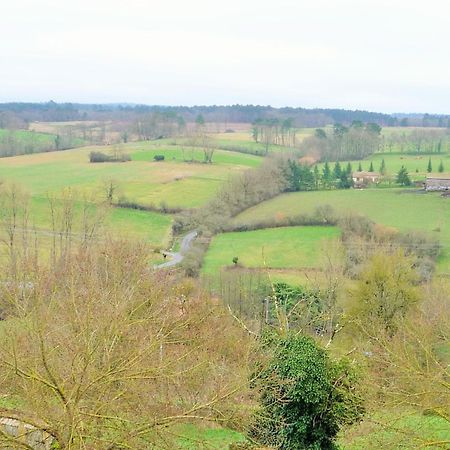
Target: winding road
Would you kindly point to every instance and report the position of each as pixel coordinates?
(177, 257)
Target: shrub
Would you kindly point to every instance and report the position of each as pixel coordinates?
(99, 157)
(159, 158)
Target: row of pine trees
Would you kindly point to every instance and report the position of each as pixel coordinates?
(301, 177)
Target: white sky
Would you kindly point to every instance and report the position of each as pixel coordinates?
(379, 55)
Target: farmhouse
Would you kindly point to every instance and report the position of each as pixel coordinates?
(438, 183)
(361, 179)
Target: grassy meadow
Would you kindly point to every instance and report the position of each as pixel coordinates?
(405, 210)
(273, 248)
(174, 182)
(28, 137)
(416, 165)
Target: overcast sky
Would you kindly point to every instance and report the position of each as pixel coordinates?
(380, 55)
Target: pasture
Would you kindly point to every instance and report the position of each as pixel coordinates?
(173, 182)
(273, 248)
(416, 164)
(405, 210)
(28, 137)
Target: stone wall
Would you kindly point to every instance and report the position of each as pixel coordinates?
(35, 438)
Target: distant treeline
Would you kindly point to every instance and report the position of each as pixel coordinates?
(18, 115)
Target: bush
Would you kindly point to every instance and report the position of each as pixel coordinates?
(159, 158)
(305, 397)
(99, 157)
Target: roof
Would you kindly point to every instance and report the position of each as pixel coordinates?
(443, 177)
(365, 174)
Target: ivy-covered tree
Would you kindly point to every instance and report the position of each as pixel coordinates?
(403, 177)
(305, 396)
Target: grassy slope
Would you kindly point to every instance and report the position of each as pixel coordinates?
(394, 161)
(392, 207)
(396, 430)
(290, 247)
(25, 136)
(173, 181)
(193, 437)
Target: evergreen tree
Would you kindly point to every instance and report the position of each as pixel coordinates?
(337, 171)
(383, 167)
(403, 177)
(293, 176)
(316, 177)
(360, 167)
(299, 177)
(327, 176)
(306, 180)
(371, 169)
(430, 167)
(441, 167)
(349, 169)
(345, 180)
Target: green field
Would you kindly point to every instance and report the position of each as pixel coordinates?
(173, 181)
(193, 437)
(180, 154)
(402, 209)
(25, 136)
(416, 165)
(142, 180)
(277, 248)
(396, 430)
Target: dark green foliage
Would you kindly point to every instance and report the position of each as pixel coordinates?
(337, 171)
(316, 177)
(345, 180)
(403, 177)
(299, 177)
(383, 167)
(360, 167)
(371, 169)
(429, 167)
(305, 397)
(159, 157)
(320, 133)
(327, 176)
(99, 157)
(349, 169)
(235, 260)
(441, 167)
(373, 128)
